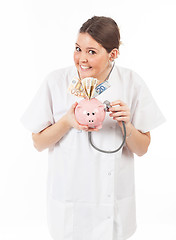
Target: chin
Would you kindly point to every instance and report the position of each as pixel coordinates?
(85, 76)
(85, 73)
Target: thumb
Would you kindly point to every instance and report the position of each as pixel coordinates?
(74, 105)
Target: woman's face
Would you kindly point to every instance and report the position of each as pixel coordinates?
(91, 59)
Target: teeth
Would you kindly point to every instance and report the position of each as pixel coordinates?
(84, 67)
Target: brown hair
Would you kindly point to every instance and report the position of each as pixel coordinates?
(104, 30)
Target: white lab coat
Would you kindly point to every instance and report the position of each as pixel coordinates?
(91, 195)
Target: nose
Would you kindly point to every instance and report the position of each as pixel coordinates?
(83, 58)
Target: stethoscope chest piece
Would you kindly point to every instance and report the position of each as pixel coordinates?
(91, 112)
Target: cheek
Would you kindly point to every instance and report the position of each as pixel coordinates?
(104, 61)
(76, 58)
(98, 65)
(100, 61)
(94, 62)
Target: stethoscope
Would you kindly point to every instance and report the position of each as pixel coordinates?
(107, 103)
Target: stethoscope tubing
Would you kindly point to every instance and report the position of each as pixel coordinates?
(104, 151)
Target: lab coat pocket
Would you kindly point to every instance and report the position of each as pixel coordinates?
(60, 219)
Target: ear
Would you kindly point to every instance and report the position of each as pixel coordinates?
(101, 107)
(113, 54)
(78, 108)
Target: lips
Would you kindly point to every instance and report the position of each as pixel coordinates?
(85, 67)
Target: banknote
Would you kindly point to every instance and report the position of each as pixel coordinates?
(76, 88)
(101, 88)
(89, 85)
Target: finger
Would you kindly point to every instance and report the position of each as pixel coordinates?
(82, 127)
(115, 109)
(74, 105)
(120, 119)
(117, 102)
(118, 114)
(92, 129)
(79, 126)
(119, 108)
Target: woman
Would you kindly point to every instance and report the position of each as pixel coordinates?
(91, 194)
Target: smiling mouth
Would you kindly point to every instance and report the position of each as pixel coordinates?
(84, 68)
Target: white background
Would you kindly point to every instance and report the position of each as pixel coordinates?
(38, 36)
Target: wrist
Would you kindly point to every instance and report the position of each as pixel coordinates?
(129, 133)
(66, 122)
(129, 128)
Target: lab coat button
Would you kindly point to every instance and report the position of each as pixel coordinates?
(79, 131)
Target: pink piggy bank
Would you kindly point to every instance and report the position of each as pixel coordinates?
(90, 112)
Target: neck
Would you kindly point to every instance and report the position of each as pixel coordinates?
(107, 74)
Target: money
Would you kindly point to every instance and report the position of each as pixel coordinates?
(76, 88)
(87, 88)
(89, 85)
(101, 88)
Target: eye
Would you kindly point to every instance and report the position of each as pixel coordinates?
(92, 52)
(78, 49)
(93, 113)
(88, 114)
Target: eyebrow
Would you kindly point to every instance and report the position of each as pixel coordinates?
(88, 47)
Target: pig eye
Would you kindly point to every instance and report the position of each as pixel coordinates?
(88, 114)
(93, 113)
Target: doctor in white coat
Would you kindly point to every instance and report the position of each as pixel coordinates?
(91, 195)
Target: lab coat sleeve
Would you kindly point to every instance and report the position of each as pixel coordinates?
(39, 114)
(147, 114)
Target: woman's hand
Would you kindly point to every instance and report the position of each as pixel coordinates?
(120, 112)
(136, 141)
(53, 134)
(71, 120)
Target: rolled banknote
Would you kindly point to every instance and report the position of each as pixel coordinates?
(89, 85)
(76, 88)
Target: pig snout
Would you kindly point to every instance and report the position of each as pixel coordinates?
(91, 117)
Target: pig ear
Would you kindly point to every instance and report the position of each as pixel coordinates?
(101, 107)
(78, 108)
